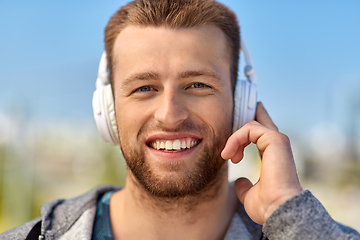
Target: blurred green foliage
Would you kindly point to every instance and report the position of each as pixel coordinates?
(51, 167)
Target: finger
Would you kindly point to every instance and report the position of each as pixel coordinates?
(263, 117)
(234, 147)
(242, 138)
(242, 186)
(238, 155)
(250, 132)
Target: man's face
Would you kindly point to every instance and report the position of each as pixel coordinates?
(173, 104)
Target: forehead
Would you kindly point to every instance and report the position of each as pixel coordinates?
(136, 40)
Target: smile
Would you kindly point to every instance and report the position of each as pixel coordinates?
(176, 145)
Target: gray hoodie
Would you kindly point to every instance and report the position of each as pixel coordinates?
(301, 217)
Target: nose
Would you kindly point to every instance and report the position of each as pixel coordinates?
(171, 109)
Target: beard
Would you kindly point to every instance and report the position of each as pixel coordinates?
(180, 180)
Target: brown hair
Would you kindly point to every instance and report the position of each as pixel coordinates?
(175, 14)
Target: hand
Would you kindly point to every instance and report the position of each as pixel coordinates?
(278, 180)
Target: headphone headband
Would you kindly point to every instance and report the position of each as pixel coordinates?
(103, 76)
(249, 70)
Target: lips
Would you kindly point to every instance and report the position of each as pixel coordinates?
(175, 145)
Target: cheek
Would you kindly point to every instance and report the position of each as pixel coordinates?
(217, 114)
(224, 118)
(129, 120)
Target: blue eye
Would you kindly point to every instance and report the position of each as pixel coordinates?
(198, 85)
(145, 89)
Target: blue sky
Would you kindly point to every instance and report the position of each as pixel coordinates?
(306, 55)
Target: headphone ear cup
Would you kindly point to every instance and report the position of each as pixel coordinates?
(104, 114)
(242, 112)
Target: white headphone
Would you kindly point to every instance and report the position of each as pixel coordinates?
(245, 96)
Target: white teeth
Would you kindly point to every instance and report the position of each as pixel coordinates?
(157, 144)
(174, 145)
(183, 144)
(188, 142)
(168, 145)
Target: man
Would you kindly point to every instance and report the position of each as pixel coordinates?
(173, 69)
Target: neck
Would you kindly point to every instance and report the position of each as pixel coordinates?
(205, 215)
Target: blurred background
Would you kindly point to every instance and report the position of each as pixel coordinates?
(306, 55)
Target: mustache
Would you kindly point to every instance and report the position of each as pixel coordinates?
(185, 126)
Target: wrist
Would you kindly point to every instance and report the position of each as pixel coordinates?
(281, 200)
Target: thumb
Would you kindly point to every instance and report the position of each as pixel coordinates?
(242, 186)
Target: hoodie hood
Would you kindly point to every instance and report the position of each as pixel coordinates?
(71, 217)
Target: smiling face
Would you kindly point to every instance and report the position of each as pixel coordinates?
(173, 104)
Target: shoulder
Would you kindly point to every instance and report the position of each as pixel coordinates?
(59, 215)
(20, 232)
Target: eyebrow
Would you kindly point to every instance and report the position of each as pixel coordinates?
(141, 76)
(198, 73)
